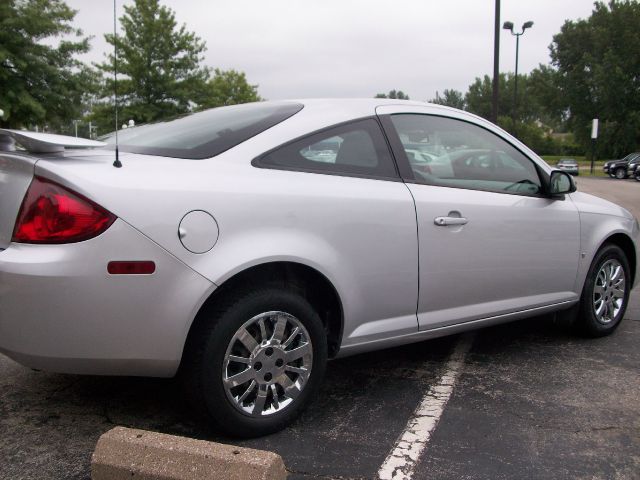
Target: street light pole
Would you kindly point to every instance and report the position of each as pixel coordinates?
(509, 26)
(515, 88)
(496, 65)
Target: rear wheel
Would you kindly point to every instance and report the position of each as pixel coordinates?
(637, 174)
(254, 364)
(620, 173)
(605, 293)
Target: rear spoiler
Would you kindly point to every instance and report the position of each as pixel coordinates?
(37, 142)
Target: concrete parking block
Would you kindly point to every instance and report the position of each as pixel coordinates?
(125, 453)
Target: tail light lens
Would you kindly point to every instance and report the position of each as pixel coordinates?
(51, 213)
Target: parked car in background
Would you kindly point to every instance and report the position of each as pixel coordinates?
(568, 165)
(242, 247)
(618, 168)
(633, 169)
(428, 163)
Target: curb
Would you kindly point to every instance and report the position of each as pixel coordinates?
(126, 453)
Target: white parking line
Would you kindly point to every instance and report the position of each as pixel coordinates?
(403, 458)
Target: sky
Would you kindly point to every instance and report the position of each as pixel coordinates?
(354, 48)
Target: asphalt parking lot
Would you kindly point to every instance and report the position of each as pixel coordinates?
(530, 401)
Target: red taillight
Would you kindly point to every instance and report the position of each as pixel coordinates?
(51, 213)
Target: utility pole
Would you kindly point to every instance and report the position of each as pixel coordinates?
(496, 65)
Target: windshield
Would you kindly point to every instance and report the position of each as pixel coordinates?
(204, 134)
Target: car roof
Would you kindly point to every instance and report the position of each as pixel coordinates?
(358, 107)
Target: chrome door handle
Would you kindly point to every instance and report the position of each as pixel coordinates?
(444, 221)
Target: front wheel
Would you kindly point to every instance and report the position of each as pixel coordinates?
(620, 173)
(253, 364)
(605, 293)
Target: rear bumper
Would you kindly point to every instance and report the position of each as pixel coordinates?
(61, 310)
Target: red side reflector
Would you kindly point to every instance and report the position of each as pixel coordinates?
(131, 268)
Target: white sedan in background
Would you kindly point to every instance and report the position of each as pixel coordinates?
(241, 247)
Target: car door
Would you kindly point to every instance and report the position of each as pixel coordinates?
(490, 241)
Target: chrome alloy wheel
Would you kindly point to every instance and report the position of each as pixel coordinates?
(267, 363)
(608, 292)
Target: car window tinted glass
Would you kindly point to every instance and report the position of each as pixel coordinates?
(452, 153)
(204, 134)
(355, 149)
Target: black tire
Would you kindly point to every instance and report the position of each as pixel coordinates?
(203, 367)
(620, 173)
(587, 321)
(637, 175)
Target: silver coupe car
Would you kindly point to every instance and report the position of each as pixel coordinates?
(242, 247)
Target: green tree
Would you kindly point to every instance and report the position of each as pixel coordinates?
(159, 66)
(450, 98)
(538, 99)
(228, 87)
(530, 107)
(40, 84)
(537, 114)
(480, 94)
(598, 75)
(397, 94)
(543, 92)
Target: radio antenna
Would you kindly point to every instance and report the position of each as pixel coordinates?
(116, 162)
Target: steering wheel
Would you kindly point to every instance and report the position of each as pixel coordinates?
(517, 184)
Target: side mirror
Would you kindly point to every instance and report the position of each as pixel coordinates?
(561, 183)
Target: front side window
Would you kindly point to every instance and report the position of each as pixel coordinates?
(453, 153)
(354, 149)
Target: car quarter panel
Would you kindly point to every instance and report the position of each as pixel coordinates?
(359, 233)
(62, 311)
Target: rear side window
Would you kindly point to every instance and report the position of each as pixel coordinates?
(204, 134)
(354, 149)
